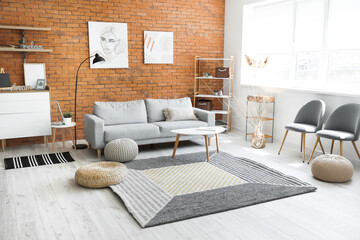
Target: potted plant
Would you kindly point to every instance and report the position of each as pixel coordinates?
(67, 118)
(21, 42)
(216, 93)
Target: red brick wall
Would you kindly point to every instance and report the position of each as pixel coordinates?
(198, 28)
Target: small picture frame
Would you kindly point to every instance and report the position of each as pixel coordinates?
(40, 84)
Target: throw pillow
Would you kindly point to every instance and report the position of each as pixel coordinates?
(179, 114)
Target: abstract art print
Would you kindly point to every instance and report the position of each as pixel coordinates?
(110, 41)
(158, 47)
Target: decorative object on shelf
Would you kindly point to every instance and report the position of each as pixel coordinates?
(97, 60)
(110, 41)
(257, 64)
(31, 46)
(205, 84)
(207, 74)
(204, 104)
(21, 43)
(4, 79)
(33, 72)
(19, 88)
(158, 47)
(257, 117)
(222, 72)
(40, 84)
(67, 118)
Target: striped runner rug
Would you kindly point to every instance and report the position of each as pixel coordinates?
(37, 160)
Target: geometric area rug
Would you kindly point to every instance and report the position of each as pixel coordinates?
(163, 190)
(37, 160)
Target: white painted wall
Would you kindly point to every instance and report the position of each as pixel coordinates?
(288, 102)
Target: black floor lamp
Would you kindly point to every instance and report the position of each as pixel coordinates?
(97, 59)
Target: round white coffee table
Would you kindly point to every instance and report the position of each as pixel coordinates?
(62, 127)
(203, 131)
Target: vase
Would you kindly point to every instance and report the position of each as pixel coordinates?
(258, 140)
(67, 121)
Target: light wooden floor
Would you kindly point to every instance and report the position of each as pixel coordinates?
(45, 203)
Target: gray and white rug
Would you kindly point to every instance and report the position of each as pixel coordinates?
(163, 190)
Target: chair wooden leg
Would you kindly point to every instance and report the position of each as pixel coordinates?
(303, 145)
(341, 148)
(99, 153)
(283, 141)
(322, 148)
(209, 141)
(356, 150)
(312, 153)
(332, 146)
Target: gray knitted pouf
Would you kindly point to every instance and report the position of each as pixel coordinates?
(121, 150)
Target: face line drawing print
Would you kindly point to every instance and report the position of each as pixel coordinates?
(109, 40)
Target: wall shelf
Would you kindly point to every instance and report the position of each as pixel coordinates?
(10, 49)
(23, 50)
(24, 28)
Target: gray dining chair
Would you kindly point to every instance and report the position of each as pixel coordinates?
(309, 119)
(343, 125)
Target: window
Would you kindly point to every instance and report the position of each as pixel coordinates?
(311, 44)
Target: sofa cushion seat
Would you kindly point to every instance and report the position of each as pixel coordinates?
(166, 127)
(137, 131)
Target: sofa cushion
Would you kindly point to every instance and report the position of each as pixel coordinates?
(155, 107)
(137, 131)
(166, 127)
(179, 114)
(121, 112)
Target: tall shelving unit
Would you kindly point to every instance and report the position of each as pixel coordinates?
(226, 100)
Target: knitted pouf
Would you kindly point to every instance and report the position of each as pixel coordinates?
(101, 174)
(121, 150)
(332, 168)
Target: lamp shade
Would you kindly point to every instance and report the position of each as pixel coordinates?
(98, 59)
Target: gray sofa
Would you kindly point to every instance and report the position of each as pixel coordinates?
(142, 121)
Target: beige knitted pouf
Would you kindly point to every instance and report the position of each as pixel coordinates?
(332, 168)
(121, 150)
(102, 174)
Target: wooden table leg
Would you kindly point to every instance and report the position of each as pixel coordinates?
(3, 144)
(46, 141)
(176, 145)
(53, 140)
(332, 146)
(72, 138)
(207, 147)
(217, 142)
(209, 141)
(341, 148)
(63, 136)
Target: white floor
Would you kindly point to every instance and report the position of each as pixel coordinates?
(45, 202)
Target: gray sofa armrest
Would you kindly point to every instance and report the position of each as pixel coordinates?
(94, 131)
(205, 116)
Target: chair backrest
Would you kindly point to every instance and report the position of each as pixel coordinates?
(312, 113)
(345, 118)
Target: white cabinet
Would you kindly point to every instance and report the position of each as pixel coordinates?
(24, 114)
